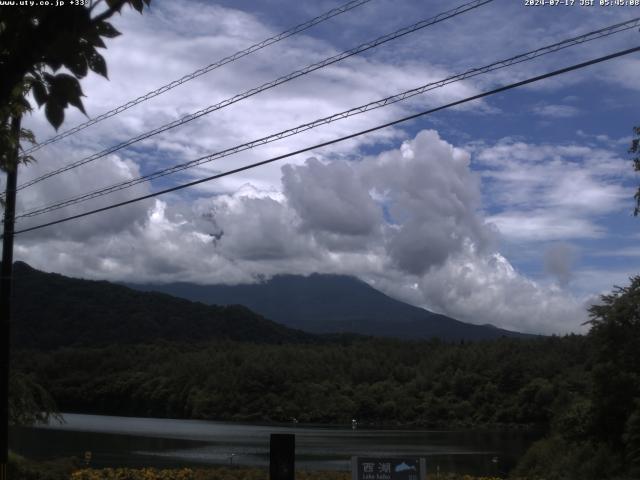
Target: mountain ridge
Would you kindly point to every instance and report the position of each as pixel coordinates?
(329, 303)
(50, 311)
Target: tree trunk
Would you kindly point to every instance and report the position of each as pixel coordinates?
(6, 275)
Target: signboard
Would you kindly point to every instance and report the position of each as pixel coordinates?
(387, 468)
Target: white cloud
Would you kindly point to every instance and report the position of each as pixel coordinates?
(330, 198)
(487, 289)
(407, 220)
(544, 225)
(551, 192)
(108, 171)
(620, 252)
(556, 111)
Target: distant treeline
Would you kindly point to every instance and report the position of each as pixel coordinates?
(428, 384)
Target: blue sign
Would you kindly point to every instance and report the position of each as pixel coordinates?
(387, 468)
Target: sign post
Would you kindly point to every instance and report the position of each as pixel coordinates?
(388, 468)
(282, 456)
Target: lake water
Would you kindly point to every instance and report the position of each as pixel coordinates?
(136, 442)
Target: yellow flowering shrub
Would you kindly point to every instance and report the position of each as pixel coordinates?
(222, 473)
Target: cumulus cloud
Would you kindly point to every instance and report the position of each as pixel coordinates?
(432, 199)
(407, 220)
(487, 289)
(331, 198)
(108, 171)
(420, 222)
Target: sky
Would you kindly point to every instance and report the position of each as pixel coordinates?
(514, 210)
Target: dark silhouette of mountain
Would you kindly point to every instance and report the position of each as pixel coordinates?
(51, 311)
(333, 303)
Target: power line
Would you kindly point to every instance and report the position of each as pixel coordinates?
(231, 58)
(603, 32)
(286, 78)
(337, 140)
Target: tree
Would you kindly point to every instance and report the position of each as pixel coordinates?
(635, 149)
(632, 442)
(615, 332)
(35, 43)
(29, 402)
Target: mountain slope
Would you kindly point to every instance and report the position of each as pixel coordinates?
(333, 303)
(51, 310)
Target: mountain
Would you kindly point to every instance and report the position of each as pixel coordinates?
(51, 311)
(333, 303)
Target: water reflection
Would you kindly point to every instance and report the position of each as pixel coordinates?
(121, 441)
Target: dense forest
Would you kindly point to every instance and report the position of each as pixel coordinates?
(581, 392)
(432, 384)
(75, 312)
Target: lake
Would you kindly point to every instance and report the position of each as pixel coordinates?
(136, 442)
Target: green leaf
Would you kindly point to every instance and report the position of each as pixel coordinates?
(27, 135)
(39, 92)
(65, 90)
(117, 4)
(77, 64)
(97, 64)
(65, 86)
(26, 159)
(23, 104)
(76, 102)
(95, 40)
(107, 30)
(137, 4)
(54, 113)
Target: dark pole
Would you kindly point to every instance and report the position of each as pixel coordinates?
(282, 453)
(5, 289)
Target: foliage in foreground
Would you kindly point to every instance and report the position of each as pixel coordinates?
(29, 402)
(597, 435)
(65, 469)
(224, 474)
(20, 468)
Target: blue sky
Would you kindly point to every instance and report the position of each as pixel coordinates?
(514, 210)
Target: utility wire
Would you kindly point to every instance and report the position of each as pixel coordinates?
(231, 58)
(603, 32)
(337, 140)
(286, 78)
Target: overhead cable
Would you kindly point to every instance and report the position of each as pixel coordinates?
(337, 140)
(603, 32)
(231, 58)
(274, 83)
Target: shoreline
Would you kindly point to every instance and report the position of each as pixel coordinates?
(362, 426)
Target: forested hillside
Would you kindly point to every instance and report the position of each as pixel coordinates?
(51, 310)
(431, 384)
